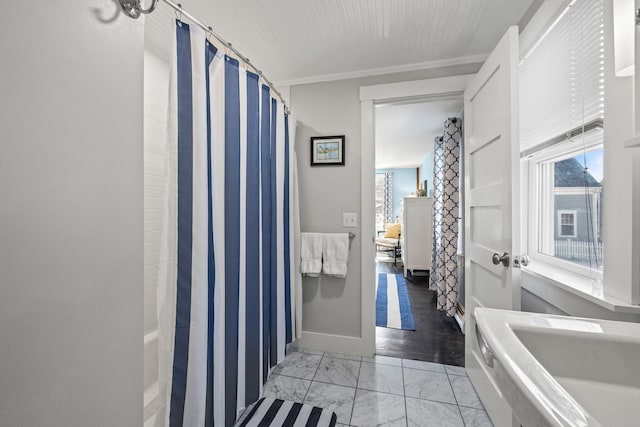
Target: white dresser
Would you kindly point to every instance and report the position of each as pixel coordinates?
(417, 233)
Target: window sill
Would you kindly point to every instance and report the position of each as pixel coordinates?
(577, 285)
(633, 142)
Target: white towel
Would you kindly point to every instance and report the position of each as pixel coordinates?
(335, 254)
(311, 254)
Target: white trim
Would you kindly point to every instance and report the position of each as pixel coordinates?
(557, 281)
(577, 190)
(569, 148)
(463, 60)
(335, 343)
(572, 268)
(369, 95)
(574, 224)
(368, 225)
(633, 142)
(454, 86)
(540, 24)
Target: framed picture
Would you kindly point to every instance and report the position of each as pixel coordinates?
(327, 150)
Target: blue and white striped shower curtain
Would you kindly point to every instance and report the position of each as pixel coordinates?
(227, 287)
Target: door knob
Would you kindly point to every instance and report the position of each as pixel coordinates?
(497, 259)
(522, 260)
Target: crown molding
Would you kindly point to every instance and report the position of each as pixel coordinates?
(463, 60)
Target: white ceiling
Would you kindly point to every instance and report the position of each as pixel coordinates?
(305, 41)
(302, 41)
(405, 132)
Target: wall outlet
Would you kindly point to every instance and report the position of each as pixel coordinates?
(349, 219)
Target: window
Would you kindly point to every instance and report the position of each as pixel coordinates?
(379, 201)
(566, 223)
(561, 139)
(384, 201)
(565, 189)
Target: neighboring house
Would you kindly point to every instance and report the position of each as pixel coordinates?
(571, 215)
(577, 213)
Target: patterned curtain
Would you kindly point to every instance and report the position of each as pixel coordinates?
(446, 185)
(388, 197)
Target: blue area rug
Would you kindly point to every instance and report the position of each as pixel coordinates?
(393, 309)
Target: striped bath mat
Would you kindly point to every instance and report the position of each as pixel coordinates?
(393, 309)
(276, 412)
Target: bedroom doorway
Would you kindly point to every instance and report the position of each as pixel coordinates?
(403, 135)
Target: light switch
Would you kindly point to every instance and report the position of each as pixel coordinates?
(349, 219)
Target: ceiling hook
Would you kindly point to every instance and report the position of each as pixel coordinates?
(210, 35)
(133, 8)
(151, 8)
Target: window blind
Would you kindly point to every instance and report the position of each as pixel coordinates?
(562, 76)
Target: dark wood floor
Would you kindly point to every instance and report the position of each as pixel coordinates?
(437, 337)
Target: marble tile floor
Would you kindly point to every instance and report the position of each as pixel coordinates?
(379, 391)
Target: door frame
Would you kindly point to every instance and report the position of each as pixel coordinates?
(435, 88)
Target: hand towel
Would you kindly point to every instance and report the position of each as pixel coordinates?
(311, 254)
(335, 254)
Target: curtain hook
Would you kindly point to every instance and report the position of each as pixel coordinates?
(210, 34)
(229, 47)
(179, 14)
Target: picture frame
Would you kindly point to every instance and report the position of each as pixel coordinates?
(327, 150)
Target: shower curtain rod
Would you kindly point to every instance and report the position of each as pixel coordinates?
(134, 9)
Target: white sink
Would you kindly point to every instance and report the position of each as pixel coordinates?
(564, 371)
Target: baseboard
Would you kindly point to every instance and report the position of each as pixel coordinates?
(459, 316)
(356, 346)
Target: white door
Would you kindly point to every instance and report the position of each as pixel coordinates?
(491, 208)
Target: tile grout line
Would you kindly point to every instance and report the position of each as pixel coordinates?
(314, 374)
(319, 381)
(353, 405)
(383, 392)
(452, 390)
(404, 394)
(455, 397)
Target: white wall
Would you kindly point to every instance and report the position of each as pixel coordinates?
(156, 94)
(331, 306)
(71, 239)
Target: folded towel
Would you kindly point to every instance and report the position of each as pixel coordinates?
(335, 254)
(311, 253)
